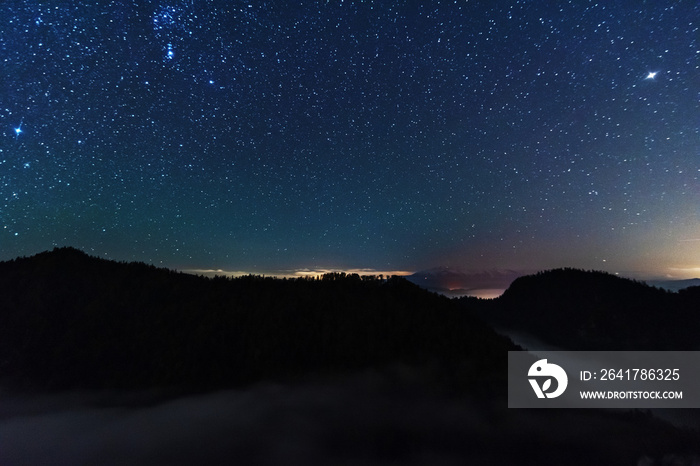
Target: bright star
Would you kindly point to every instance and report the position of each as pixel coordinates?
(18, 131)
(652, 75)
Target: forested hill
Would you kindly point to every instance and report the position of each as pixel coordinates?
(70, 320)
(585, 310)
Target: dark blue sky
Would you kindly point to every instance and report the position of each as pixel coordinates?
(268, 136)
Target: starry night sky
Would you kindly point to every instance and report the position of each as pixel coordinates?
(391, 136)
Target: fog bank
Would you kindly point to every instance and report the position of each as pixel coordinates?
(369, 418)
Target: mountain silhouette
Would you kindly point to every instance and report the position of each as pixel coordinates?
(71, 320)
(675, 285)
(455, 282)
(586, 310)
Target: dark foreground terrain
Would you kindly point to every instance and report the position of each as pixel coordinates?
(73, 321)
(115, 363)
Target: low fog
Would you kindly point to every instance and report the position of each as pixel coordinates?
(387, 418)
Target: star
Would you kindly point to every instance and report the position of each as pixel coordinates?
(306, 102)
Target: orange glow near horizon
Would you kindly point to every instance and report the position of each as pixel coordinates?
(295, 273)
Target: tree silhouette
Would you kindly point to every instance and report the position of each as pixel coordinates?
(70, 320)
(588, 310)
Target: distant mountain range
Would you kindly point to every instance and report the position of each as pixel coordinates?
(454, 282)
(674, 285)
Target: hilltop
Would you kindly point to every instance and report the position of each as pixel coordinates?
(589, 310)
(71, 320)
